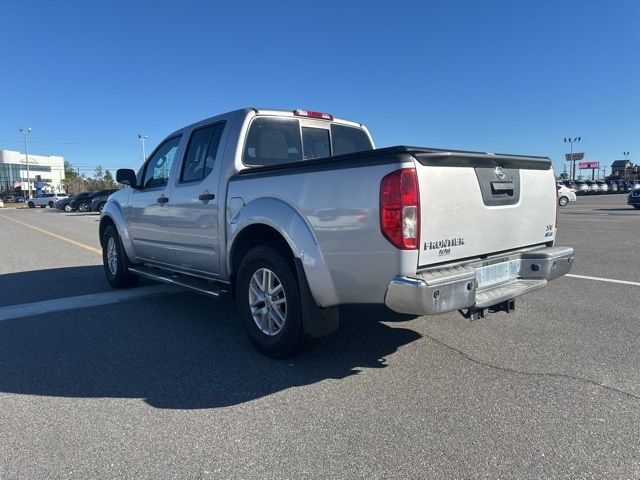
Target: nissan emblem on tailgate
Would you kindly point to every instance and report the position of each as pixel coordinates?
(499, 171)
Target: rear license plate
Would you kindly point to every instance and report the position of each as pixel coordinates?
(497, 273)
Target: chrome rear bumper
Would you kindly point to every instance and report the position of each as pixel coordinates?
(478, 285)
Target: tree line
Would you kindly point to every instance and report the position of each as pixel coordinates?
(76, 182)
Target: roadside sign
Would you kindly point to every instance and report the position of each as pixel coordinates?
(585, 165)
(576, 156)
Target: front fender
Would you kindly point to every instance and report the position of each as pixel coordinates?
(113, 211)
(297, 232)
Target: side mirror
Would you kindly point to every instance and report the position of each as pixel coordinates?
(126, 176)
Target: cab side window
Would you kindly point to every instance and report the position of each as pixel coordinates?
(201, 153)
(158, 167)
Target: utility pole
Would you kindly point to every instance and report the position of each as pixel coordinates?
(573, 162)
(143, 138)
(25, 132)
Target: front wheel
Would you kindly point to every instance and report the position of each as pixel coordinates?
(32, 205)
(268, 302)
(67, 208)
(84, 207)
(563, 201)
(115, 261)
(50, 204)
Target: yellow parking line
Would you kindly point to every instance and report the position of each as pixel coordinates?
(97, 251)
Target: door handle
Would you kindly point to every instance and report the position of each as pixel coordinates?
(162, 199)
(206, 196)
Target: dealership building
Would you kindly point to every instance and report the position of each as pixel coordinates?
(46, 173)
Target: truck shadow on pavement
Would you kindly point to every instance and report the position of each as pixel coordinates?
(180, 351)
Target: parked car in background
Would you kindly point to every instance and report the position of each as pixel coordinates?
(79, 200)
(570, 184)
(99, 198)
(603, 187)
(613, 186)
(634, 198)
(63, 202)
(593, 186)
(565, 195)
(627, 185)
(18, 199)
(581, 187)
(46, 199)
(1, 203)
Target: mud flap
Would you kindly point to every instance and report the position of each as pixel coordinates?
(316, 321)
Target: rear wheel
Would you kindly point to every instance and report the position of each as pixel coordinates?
(31, 205)
(50, 204)
(115, 261)
(563, 201)
(268, 302)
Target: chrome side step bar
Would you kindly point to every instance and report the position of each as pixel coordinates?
(200, 285)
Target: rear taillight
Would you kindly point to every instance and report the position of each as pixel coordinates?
(400, 208)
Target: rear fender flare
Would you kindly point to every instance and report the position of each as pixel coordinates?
(297, 232)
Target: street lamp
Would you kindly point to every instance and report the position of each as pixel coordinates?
(626, 156)
(573, 162)
(142, 138)
(25, 132)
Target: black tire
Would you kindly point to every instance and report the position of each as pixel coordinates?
(31, 205)
(563, 201)
(84, 207)
(50, 204)
(121, 277)
(637, 207)
(101, 206)
(289, 337)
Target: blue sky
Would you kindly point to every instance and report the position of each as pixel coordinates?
(500, 76)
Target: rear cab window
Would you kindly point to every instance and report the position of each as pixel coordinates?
(279, 140)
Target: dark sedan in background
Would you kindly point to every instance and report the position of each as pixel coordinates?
(72, 204)
(99, 198)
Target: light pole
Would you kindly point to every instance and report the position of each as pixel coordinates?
(142, 138)
(25, 132)
(573, 162)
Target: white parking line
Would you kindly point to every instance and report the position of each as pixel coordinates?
(609, 280)
(83, 301)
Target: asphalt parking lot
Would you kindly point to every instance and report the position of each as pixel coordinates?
(163, 384)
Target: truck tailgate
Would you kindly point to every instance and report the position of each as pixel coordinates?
(474, 204)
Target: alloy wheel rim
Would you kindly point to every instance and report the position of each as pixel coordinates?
(268, 302)
(112, 256)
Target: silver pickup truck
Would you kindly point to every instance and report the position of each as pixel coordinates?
(295, 213)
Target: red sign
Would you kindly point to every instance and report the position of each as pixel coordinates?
(586, 165)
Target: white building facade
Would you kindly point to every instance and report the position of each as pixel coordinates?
(46, 173)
